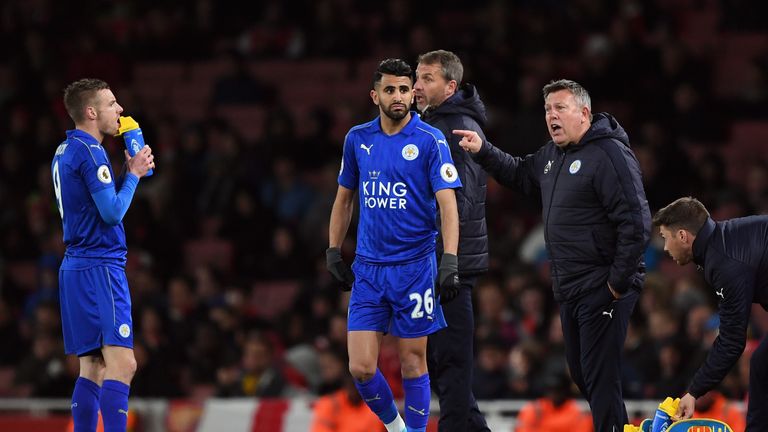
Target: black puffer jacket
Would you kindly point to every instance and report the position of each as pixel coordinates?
(465, 110)
(732, 255)
(596, 217)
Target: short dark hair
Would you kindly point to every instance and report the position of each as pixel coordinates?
(392, 66)
(449, 63)
(686, 213)
(579, 92)
(81, 93)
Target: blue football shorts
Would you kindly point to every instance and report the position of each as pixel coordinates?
(397, 299)
(95, 306)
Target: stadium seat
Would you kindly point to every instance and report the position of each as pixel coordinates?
(7, 375)
(190, 99)
(167, 72)
(216, 253)
(699, 28)
(736, 51)
(270, 299)
(319, 72)
(747, 139)
(247, 120)
(23, 273)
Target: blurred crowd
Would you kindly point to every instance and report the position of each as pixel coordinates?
(226, 265)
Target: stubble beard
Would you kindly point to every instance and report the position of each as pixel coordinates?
(396, 117)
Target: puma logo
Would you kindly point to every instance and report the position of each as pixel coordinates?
(367, 149)
(609, 313)
(74, 405)
(375, 398)
(122, 411)
(720, 293)
(420, 412)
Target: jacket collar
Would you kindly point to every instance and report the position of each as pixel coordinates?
(702, 240)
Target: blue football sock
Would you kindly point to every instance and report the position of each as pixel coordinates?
(378, 396)
(85, 405)
(417, 394)
(114, 405)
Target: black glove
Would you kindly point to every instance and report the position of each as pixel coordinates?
(338, 268)
(448, 278)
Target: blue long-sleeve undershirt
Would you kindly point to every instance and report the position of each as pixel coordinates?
(112, 206)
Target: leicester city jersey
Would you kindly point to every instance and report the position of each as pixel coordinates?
(81, 168)
(396, 178)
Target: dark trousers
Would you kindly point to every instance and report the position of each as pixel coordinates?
(757, 411)
(450, 355)
(594, 329)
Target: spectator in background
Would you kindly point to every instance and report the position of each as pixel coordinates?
(672, 378)
(257, 375)
(152, 358)
(557, 411)
(285, 193)
(43, 372)
(333, 370)
(494, 317)
(525, 363)
(238, 86)
(490, 372)
(286, 258)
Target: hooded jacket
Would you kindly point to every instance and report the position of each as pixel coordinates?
(732, 255)
(596, 218)
(465, 110)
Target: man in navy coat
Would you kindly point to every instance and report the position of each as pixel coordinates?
(447, 104)
(733, 255)
(596, 225)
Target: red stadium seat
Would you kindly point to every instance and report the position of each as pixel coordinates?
(212, 252)
(270, 299)
(247, 120)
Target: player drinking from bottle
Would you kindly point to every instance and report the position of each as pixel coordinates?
(93, 289)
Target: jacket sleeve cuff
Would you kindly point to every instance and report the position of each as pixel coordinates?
(483, 152)
(695, 391)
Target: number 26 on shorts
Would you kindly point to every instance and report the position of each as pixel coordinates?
(426, 301)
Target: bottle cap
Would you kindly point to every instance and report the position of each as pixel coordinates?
(670, 405)
(127, 124)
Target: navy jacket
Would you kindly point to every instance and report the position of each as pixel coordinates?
(465, 110)
(596, 218)
(734, 257)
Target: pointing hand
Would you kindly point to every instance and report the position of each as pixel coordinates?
(470, 140)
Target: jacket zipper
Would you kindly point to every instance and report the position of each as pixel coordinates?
(562, 153)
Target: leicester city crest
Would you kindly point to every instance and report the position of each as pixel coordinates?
(575, 167)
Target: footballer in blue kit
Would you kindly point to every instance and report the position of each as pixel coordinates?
(93, 289)
(401, 169)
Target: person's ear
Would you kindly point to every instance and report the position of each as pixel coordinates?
(585, 114)
(375, 97)
(451, 87)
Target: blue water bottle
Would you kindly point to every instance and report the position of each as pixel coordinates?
(663, 418)
(133, 137)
